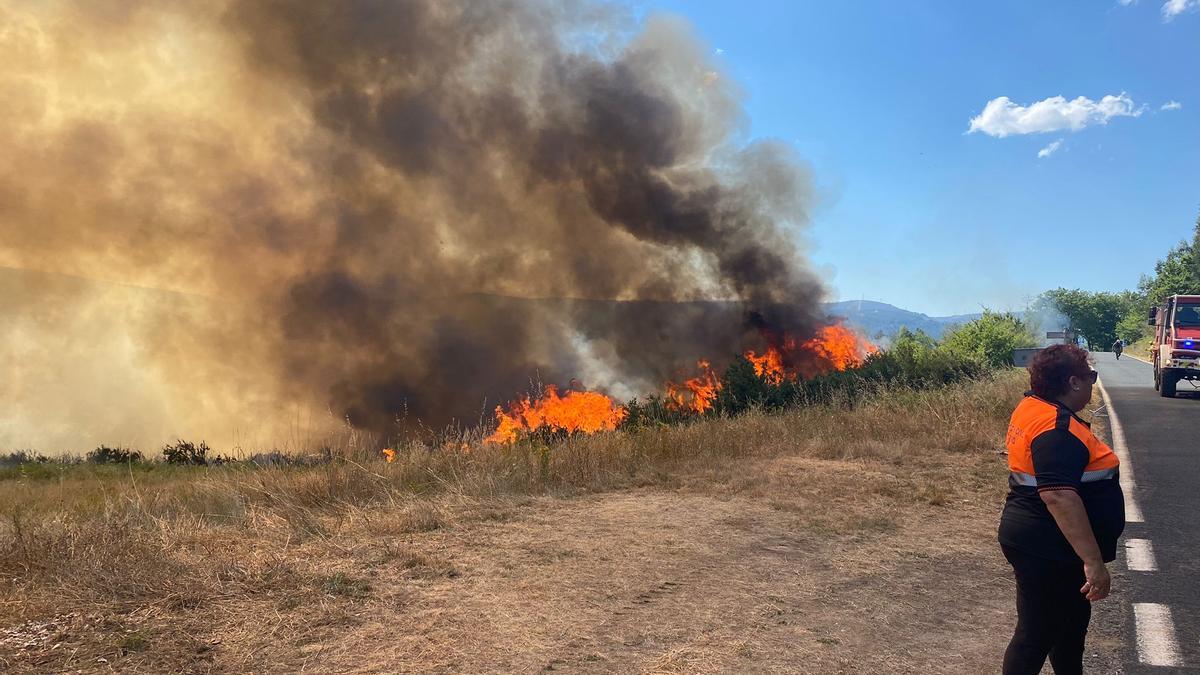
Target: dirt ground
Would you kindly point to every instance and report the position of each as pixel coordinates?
(882, 560)
(647, 580)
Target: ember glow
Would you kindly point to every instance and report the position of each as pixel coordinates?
(577, 411)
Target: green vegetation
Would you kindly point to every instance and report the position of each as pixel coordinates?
(107, 455)
(1103, 317)
(990, 339)
(185, 452)
(1176, 274)
(1094, 316)
(914, 361)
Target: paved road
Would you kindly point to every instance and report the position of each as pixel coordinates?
(1163, 439)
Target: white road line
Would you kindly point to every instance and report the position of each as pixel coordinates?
(1133, 514)
(1156, 643)
(1139, 554)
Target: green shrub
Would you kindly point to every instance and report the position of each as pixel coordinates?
(990, 338)
(653, 411)
(914, 360)
(186, 452)
(23, 457)
(107, 455)
(743, 389)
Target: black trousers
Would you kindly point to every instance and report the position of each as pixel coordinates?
(1052, 615)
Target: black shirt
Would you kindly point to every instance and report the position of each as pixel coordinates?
(1060, 458)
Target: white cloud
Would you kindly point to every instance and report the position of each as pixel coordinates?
(1126, 3)
(1001, 117)
(1049, 149)
(1171, 105)
(1173, 8)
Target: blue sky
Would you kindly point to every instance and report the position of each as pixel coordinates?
(878, 96)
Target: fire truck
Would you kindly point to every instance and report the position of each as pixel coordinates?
(1176, 342)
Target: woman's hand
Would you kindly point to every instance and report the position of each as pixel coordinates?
(1099, 581)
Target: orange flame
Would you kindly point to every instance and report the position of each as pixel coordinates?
(769, 366)
(578, 411)
(840, 347)
(834, 347)
(389, 455)
(696, 394)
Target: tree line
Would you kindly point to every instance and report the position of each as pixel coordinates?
(1101, 317)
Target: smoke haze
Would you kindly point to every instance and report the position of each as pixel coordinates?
(226, 216)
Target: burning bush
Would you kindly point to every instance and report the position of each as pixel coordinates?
(577, 411)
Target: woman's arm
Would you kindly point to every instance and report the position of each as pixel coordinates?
(1072, 518)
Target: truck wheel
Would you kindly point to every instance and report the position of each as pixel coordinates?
(1168, 386)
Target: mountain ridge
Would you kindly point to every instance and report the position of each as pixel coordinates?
(881, 320)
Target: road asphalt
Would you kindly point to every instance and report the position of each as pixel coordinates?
(1163, 440)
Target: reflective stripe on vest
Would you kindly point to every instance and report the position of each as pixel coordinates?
(1034, 417)
(1030, 480)
(1023, 478)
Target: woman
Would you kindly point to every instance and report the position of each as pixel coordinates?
(1063, 514)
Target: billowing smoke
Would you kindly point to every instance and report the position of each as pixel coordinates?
(372, 208)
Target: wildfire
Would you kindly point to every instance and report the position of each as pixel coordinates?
(389, 455)
(696, 394)
(577, 411)
(841, 347)
(834, 347)
(769, 366)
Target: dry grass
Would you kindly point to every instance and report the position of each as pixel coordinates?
(736, 544)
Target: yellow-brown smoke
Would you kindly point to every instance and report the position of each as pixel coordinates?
(219, 217)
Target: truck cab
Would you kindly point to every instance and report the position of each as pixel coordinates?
(1176, 342)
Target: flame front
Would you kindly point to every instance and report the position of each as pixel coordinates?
(578, 411)
(833, 348)
(696, 394)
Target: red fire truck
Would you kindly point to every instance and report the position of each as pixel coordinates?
(1176, 342)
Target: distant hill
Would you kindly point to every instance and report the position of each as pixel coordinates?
(879, 319)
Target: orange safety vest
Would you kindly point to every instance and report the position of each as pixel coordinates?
(1035, 416)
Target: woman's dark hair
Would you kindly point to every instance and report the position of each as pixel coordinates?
(1051, 369)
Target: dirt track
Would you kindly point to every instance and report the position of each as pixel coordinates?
(654, 580)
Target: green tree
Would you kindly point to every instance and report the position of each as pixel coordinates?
(909, 340)
(1092, 315)
(742, 388)
(1177, 273)
(990, 338)
(1132, 327)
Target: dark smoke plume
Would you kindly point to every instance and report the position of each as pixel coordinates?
(378, 208)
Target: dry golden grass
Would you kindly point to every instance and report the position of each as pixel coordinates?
(818, 540)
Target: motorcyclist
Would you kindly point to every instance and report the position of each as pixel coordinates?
(1118, 347)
